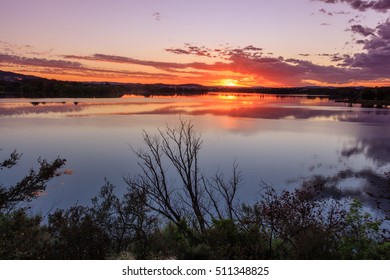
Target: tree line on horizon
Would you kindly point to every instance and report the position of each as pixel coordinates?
(190, 217)
(14, 85)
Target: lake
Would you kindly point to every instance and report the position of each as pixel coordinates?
(279, 140)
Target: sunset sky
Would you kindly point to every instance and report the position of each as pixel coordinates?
(213, 42)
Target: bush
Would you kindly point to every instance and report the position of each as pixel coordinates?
(362, 236)
(22, 236)
(76, 235)
(199, 217)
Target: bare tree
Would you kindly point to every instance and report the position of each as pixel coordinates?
(190, 198)
(222, 195)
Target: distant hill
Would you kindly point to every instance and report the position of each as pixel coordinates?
(12, 77)
(19, 85)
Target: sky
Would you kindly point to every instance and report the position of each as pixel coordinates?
(276, 43)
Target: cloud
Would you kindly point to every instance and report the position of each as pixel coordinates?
(252, 48)
(379, 6)
(42, 62)
(66, 67)
(245, 61)
(225, 52)
(249, 52)
(323, 11)
(342, 13)
(123, 60)
(161, 65)
(293, 71)
(156, 16)
(250, 65)
(337, 58)
(178, 51)
(250, 62)
(376, 58)
(365, 31)
(192, 50)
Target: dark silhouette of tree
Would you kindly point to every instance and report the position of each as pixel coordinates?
(193, 201)
(21, 235)
(127, 221)
(76, 235)
(30, 186)
(203, 219)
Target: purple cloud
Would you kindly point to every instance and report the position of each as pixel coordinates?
(342, 13)
(337, 57)
(252, 48)
(42, 62)
(66, 67)
(380, 5)
(126, 60)
(157, 16)
(191, 50)
(224, 53)
(249, 61)
(178, 51)
(365, 31)
(323, 11)
(376, 59)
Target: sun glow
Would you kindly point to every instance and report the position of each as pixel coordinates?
(229, 83)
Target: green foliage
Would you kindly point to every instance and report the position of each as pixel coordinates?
(76, 235)
(22, 236)
(362, 237)
(201, 221)
(126, 221)
(170, 242)
(287, 225)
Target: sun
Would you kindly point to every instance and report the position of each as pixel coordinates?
(229, 83)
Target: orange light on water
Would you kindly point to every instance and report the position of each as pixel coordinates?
(227, 96)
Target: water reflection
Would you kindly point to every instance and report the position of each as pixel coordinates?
(366, 185)
(369, 183)
(282, 140)
(376, 148)
(43, 109)
(234, 105)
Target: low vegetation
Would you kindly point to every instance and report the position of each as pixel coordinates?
(190, 217)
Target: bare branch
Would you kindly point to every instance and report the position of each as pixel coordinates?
(191, 197)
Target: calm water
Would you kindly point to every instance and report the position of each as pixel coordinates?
(282, 141)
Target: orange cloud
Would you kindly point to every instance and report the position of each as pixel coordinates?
(247, 66)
